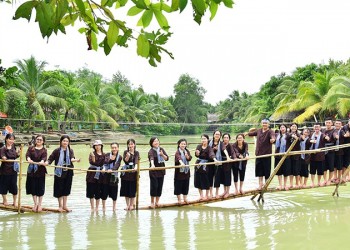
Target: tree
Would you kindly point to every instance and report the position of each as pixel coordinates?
(103, 26)
(188, 101)
(38, 91)
(310, 96)
(338, 97)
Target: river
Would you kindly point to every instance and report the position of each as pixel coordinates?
(303, 219)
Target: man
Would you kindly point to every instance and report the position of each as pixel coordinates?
(346, 159)
(265, 139)
(317, 159)
(330, 154)
(339, 153)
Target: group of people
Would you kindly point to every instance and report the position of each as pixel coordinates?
(218, 160)
(328, 165)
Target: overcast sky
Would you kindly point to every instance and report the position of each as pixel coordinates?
(239, 50)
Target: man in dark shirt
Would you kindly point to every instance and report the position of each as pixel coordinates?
(265, 139)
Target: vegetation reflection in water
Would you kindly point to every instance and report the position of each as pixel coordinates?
(305, 219)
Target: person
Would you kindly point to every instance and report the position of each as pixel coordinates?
(9, 170)
(205, 154)
(304, 158)
(338, 153)
(131, 158)
(282, 144)
(265, 139)
(346, 157)
(329, 154)
(182, 175)
(109, 185)
(35, 184)
(94, 179)
(225, 170)
(63, 157)
(214, 171)
(295, 159)
(317, 159)
(157, 157)
(240, 151)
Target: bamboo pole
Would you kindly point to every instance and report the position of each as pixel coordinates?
(340, 181)
(267, 183)
(20, 179)
(138, 184)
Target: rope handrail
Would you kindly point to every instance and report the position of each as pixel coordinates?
(313, 151)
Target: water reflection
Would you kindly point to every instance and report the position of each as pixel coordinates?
(284, 221)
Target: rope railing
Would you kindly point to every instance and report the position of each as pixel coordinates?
(138, 170)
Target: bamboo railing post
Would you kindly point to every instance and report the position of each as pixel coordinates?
(340, 181)
(20, 179)
(267, 183)
(138, 184)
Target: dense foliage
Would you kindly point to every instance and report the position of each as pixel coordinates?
(61, 99)
(105, 23)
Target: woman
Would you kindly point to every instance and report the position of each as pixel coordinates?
(215, 170)
(295, 159)
(240, 151)
(8, 170)
(110, 180)
(182, 175)
(157, 157)
(94, 179)
(205, 154)
(225, 173)
(282, 144)
(304, 158)
(63, 157)
(128, 179)
(35, 184)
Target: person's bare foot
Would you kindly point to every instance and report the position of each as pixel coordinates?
(61, 210)
(14, 204)
(226, 195)
(286, 188)
(40, 209)
(186, 202)
(328, 183)
(312, 185)
(278, 188)
(67, 209)
(241, 191)
(152, 206)
(35, 208)
(303, 186)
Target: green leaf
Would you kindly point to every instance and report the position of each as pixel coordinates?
(69, 19)
(147, 2)
(199, 6)
(112, 34)
(133, 11)
(147, 18)
(228, 3)
(142, 46)
(213, 9)
(166, 8)
(140, 4)
(61, 10)
(175, 5)
(122, 2)
(80, 5)
(44, 16)
(162, 21)
(25, 10)
(182, 5)
(94, 41)
(106, 48)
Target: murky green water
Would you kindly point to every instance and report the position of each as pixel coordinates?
(305, 219)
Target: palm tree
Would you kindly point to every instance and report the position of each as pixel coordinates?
(338, 97)
(287, 93)
(311, 95)
(39, 92)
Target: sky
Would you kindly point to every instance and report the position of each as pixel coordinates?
(240, 49)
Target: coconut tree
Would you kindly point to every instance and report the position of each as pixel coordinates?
(338, 97)
(311, 95)
(40, 92)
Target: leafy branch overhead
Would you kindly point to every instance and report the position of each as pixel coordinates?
(105, 25)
